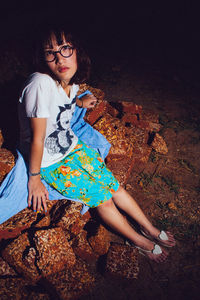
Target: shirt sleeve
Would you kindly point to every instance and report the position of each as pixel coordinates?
(37, 96)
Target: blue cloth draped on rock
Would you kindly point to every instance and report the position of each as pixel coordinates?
(14, 188)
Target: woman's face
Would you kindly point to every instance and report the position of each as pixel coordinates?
(63, 68)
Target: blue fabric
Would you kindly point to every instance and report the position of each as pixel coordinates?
(88, 134)
(14, 188)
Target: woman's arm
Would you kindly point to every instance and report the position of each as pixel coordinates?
(37, 191)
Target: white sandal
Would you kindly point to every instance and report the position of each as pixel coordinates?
(156, 250)
(162, 238)
(156, 254)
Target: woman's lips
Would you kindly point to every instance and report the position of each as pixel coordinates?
(62, 70)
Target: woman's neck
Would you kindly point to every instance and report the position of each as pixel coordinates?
(66, 87)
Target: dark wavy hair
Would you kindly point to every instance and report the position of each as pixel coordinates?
(44, 39)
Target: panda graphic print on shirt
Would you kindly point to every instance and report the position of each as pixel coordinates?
(61, 139)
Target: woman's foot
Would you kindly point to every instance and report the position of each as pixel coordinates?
(156, 254)
(150, 249)
(164, 238)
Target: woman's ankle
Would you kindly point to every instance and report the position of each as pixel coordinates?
(151, 231)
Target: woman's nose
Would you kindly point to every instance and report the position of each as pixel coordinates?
(59, 57)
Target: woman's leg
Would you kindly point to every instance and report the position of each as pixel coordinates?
(125, 202)
(112, 217)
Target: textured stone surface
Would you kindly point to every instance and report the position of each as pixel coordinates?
(7, 161)
(100, 108)
(82, 248)
(99, 94)
(66, 214)
(1, 138)
(5, 269)
(13, 289)
(159, 144)
(115, 132)
(23, 220)
(149, 116)
(127, 107)
(53, 251)
(93, 114)
(15, 254)
(122, 261)
(121, 168)
(73, 283)
(100, 241)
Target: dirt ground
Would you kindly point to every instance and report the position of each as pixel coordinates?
(168, 187)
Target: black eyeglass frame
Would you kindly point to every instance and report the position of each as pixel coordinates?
(59, 51)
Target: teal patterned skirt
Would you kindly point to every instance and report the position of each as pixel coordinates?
(82, 175)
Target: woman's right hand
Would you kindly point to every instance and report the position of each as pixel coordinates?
(38, 194)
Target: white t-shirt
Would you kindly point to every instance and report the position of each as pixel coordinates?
(42, 97)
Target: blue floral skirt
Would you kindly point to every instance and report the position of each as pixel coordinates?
(82, 175)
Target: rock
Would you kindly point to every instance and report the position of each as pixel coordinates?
(121, 168)
(24, 220)
(149, 126)
(71, 284)
(142, 154)
(100, 108)
(99, 94)
(82, 248)
(13, 288)
(112, 110)
(127, 107)
(1, 138)
(122, 261)
(7, 162)
(53, 251)
(93, 114)
(15, 254)
(99, 239)
(129, 118)
(78, 226)
(115, 132)
(159, 145)
(149, 116)
(66, 214)
(5, 269)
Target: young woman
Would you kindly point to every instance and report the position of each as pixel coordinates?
(60, 158)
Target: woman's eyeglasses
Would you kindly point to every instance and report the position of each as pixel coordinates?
(65, 51)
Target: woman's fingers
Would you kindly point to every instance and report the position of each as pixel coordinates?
(46, 197)
(89, 101)
(34, 202)
(29, 199)
(38, 200)
(38, 206)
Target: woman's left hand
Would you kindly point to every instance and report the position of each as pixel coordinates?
(87, 101)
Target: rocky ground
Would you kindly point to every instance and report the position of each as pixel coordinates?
(168, 186)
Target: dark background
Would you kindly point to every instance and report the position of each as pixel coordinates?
(136, 35)
(162, 28)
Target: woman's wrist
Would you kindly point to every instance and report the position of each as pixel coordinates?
(34, 173)
(81, 101)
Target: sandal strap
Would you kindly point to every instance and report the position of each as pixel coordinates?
(163, 236)
(156, 250)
